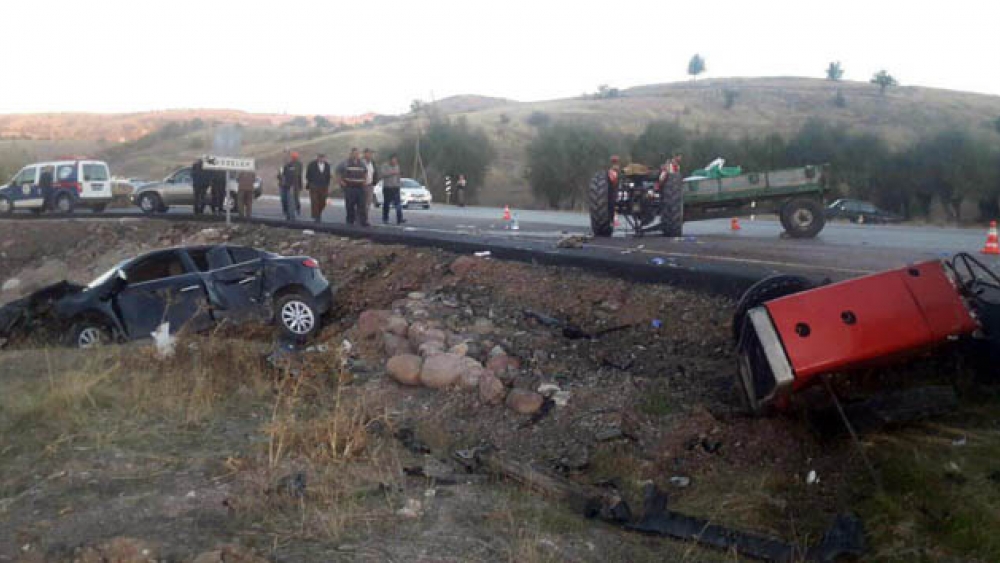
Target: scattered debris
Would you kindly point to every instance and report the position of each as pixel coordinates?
(408, 437)
(308, 232)
(958, 442)
(482, 254)
(413, 509)
(680, 481)
(812, 478)
(164, 341)
(657, 261)
(573, 241)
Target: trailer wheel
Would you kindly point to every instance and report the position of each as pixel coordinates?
(600, 214)
(763, 291)
(803, 218)
(672, 207)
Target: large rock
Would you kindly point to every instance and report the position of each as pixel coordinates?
(372, 321)
(420, 333)
(491, 390)
(524, 401)
(461, 349)
(405, 369)
(395, 345)
(442, 370)
(498, 363)
(431, 348)
(397, 325)
(472, 373)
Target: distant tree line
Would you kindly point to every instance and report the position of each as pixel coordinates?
(949, 167)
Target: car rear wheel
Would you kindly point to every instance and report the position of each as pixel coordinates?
(296, 315)
(765, 290)
(150, 203)
(64, 204)
(6, 205)
(89, 334)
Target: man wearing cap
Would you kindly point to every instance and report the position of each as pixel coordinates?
(352, 175)
(318, 184)
(291, 184)
(371, 178)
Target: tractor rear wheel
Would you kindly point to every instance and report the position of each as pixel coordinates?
(763, 291)
(672, 207)
(600, 212)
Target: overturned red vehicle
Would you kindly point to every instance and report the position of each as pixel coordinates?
(789, 334)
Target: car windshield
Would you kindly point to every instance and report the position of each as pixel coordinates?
(101, 279)
(408, 183)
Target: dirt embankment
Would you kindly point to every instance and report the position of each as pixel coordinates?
(323, 455)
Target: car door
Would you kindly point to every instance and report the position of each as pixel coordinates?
(234, 281)
(179, 189)
(162, 287)
(24, 189)
(95, 182)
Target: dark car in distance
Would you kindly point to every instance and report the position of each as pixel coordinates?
(858, 211)
(193, 287)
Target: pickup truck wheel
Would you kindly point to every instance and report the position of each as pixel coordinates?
(600, 215)
(98, 207)
(89, 334)
(296, 315)
(803, 218)
(672, 206)
(150, 203)
(6, 205)
(763, 291)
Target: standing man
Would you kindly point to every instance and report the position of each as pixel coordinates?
(244, 193)
(614, 176)
(199, 181)
(390, 190)
(352, 175)
(291, 185)
(461, 184)
(318, 184)
(219, 179)
(371, 178)
(45, 185)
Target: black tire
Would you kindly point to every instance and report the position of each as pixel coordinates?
(803, 218)
(6, 205)
(763, 291)
(88, 333)
(600, 215)
(428, 206)
(672, 207)
(63, 204)
(296, 315)
(98, 207)
(150, 203)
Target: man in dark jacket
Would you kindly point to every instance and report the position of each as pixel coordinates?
(318, 184)
(352, 174)
(219, 179)
(45, 185)
(199, 181)
(291, 184)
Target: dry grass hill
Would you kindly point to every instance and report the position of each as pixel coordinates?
(762, 106)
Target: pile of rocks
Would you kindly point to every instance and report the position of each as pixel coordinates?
(423, 351)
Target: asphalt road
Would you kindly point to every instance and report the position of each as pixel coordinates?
(841, 251)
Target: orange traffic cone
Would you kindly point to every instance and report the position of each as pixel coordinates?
(506, 213)
(734, 225)
(992, 244)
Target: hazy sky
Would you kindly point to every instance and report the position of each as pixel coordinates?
(308, 56)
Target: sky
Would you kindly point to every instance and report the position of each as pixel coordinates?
(338, 58)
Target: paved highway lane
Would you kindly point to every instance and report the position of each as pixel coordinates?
(841, 251)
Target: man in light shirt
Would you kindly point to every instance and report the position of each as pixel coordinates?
(371, 179)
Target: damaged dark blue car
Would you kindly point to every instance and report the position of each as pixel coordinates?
(192, 288)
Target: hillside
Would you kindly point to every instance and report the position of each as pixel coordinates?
(762, 106)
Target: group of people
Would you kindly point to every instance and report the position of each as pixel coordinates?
(357, 176)
(210, 189)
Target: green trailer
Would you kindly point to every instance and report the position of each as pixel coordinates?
(650, 200)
